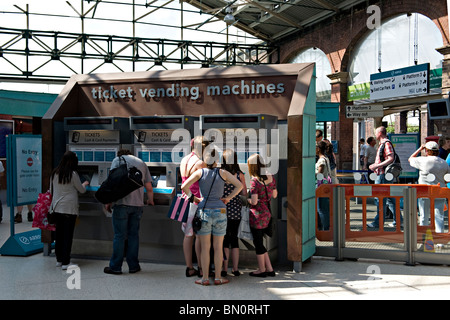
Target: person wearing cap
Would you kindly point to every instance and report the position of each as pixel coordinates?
(431, 171)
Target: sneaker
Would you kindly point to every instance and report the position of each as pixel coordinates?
(372, 225)
(69, 266)
(58, 264)
(393, 225)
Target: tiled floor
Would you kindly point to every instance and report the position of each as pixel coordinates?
(37, 277)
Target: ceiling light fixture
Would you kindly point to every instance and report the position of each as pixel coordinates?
(229, 18)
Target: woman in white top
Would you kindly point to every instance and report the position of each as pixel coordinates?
(65, 185)
(323, 173)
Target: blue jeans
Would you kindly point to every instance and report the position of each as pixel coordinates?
(126, 221)
(387, 203)
(323, 210)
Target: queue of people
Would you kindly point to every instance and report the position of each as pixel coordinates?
(220, 208)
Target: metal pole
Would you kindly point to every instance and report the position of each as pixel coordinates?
(339, 221)
(410, 225)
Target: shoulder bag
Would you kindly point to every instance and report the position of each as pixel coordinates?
(121, 182)
(180, 207)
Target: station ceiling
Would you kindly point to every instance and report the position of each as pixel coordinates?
(271, 20)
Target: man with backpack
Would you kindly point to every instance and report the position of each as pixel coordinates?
(385, 156)
(126, 217)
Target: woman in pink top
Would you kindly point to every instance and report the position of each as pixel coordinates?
(189, 164)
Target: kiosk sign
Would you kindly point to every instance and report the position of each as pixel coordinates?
(400, 82)
(24, 177)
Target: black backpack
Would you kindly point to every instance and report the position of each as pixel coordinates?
(121, 181)
(395, 168)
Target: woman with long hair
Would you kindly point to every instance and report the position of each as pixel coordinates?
(262, 189)
(213, 207)
(65, 184)
(234, 207)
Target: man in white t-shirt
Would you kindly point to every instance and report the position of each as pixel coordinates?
(431, 171)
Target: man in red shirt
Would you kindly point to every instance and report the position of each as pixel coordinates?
(385, 156)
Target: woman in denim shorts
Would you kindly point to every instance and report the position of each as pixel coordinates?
(213, 207)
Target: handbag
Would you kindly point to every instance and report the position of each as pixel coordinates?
(187, 227)
(244, 231)
(121, 182)
(41, 212)
(179, 209)
(197, 221)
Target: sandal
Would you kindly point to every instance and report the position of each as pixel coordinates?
(203, 282)
(221, 281)
(190, 272)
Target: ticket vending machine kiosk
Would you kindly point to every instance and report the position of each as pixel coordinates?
(95, 141)
(247, 134)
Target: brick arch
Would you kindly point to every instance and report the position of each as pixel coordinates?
(339, 34)
(364, 31)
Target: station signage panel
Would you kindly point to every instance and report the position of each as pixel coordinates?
(365, 111)
(402, 82)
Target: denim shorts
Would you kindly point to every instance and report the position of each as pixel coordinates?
(214, 221)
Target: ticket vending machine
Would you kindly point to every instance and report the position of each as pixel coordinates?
(95, 141)
(161, 142)
(247, 134)
(153, 144)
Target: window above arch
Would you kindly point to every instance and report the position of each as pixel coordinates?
(399, 42)
(323, 68)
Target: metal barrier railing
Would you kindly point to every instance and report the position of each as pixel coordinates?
(342, 227)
